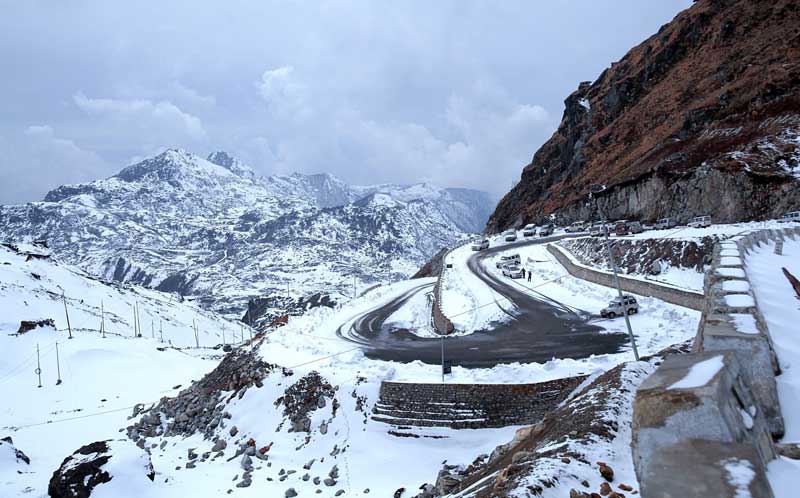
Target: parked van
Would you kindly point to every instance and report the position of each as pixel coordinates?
(510, 259)
(665, 224)
(546, 230)
(635, 227)
(621, 228)
(700, 222)
(510, 235)
(598, 229)
(791, 216)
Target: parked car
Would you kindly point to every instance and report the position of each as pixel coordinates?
(510, 235)
(665, 224)
(635, 227)
(617, 307)
(621, 228)
(529, 231)
(700, 222)
(511, 259)
(578, 226)
(480, 246)
(546, 230)
(512, 271)
(790, 216)
(597, 229)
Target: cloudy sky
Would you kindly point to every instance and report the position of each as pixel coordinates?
(458, 93)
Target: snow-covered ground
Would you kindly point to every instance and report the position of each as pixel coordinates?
(781, 310)
(102, 377)
(464, 298)
(723, 231)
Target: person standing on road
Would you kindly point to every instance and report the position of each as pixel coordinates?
(523, 273)
(529, 275)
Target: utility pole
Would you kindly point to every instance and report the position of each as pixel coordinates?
(66, 312)
(223, 335)
(196, 336)
(135, 332)
(287, 289)
(102, 320)
(138, 322)
(161, 330)
(58, 366)
(152, 329)
(38, 365)
(596, 189)
(354, 287)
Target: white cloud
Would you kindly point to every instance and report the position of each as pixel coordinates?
(285, 96)
(162, 116)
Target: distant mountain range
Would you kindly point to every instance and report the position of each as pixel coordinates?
(213, 230)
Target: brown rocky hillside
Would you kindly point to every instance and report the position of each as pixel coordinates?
(701, 118)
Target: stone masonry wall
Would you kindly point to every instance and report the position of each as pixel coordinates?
(469, 405)
(672, 295)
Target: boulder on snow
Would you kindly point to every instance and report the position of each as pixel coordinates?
(99, 463)
(28, 325)
(10, 455)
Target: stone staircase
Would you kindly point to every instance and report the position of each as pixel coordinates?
(467, 406)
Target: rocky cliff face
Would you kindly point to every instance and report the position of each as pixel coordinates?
(701, 118)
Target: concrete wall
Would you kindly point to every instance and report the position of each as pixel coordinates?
(687, 299)
(473, 406)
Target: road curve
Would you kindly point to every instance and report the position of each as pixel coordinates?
(538, 328)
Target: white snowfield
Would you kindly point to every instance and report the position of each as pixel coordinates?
(781, 310)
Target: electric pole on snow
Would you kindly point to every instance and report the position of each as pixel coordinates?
(58, 366)
(38, 370)
(161, 330)
(66, 312)
(102, 320)
(593, 191)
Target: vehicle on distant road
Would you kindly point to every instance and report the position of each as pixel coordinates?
(546, 230)
(512, 271)
(700, 222)
(511, 259)
(790, 216)
(578, 226)
(621, 228)
(510, 235)
(529, 231)
(665, 224)
(481, 245)
(617, 307)
(635, 227)
(596, 229)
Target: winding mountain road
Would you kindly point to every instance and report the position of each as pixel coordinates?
(538, 328)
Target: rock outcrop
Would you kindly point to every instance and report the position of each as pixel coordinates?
(701, 118)
(92, 465)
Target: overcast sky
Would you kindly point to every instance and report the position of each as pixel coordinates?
(457, 93)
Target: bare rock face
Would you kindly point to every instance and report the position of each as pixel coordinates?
(84, 470)
(701, 118)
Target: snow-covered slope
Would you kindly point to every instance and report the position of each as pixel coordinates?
(212, 230)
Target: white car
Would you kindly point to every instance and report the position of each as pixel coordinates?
(578, 226)
(791, 216)
(700, 222)
(480, 246)
(529, 231)
(512, 271)
(510, 235)
(509, 260)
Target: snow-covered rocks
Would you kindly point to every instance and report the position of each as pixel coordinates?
(12, 460)
(309, 393)
(115, 468)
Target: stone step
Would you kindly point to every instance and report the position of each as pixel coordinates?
(436, 415)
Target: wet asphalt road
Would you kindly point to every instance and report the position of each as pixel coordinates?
(538, 328)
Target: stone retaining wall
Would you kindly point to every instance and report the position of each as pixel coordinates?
(674, 295)
(469, 406)
(735, 414)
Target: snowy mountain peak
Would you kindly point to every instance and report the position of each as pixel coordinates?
(232, 164)
(172, 164)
